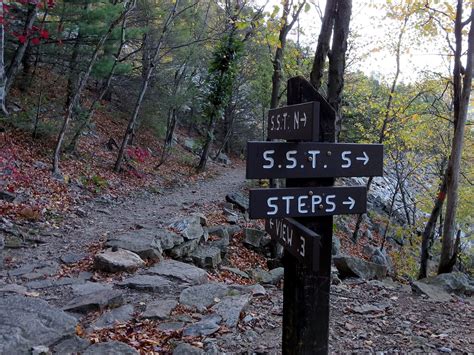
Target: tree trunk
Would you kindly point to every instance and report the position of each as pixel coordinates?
(75, 99)
(279, 53)
(428, 232)
(153, 62)
(3, 79)
(104, 89)
(322, 48)
(462, 81)
(20, 51)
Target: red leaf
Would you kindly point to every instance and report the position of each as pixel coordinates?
(35, 41)
(44, 34)
(21, 38)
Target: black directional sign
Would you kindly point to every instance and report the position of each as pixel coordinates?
(295, 122)
(311, 160)
(307, 201)
(299, 240)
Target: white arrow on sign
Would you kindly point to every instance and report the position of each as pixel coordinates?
(303, 119)
(365, 158)
(351, 202)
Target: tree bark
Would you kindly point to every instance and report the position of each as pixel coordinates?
(322, 48)
(14, 66)
(144, 87)
(279, 53)
(3, 79)
(337, 58)
(75, 99)
(462, 81)
(428, 232)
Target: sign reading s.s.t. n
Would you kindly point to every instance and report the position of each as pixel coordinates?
(295, 122)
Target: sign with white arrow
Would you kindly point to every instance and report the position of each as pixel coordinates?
(294, 122)
(313, 160)
(299, 240)
(307, 201)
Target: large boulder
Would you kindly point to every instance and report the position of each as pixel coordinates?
(223, 159)
(142, 242)
(203, 296)
(230, 308)
(189, 228)
(432, 292)
(254, 237)
(336, 246)
(454, 282)
(150, 283)
(112, 260)
(238, 199)
(350, 266)
(96, 301)
(159, 309)
(29, 322)
(207, 256)
(181, 271)
(110, 348)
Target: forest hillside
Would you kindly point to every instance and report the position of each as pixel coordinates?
(124, 203)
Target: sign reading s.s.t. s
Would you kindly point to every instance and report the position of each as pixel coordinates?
(307, 201)
(311, 160)
(295, 122)
(299, 240)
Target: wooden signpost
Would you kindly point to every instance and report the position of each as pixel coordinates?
(298, 240)
(312, 199)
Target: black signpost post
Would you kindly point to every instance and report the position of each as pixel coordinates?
(311, 197)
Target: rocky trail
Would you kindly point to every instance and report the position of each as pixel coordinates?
(182, 271)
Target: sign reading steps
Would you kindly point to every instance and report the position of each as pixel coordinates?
(307, 201)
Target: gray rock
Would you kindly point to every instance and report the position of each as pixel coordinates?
(72, 258)
(238, 199)
(186, 349)
(190, 144)
(367, 234)
(336, 245)
(230, 308)
(160, 309)
(207, 256)
(184, 249)
(96, 301)
(168, 240)
(223, 159)
(110, 348)
(71, 345)
(170, 326)
(7, 196)
(433, 292)
(117, 315)
(141, 242)
(253, 237)
(202, 218)
(232, 219)
(40, 350)
(151, 283)
(206, 326)
(349, 266)
(454, 282)
(90, 287)
(182, 271)
(116, 261)
(14, 288)
(28, 322)
(268, 277)
(218, 231)
(11, 241)
(257, 290)
(190, 228)
(203, 296)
